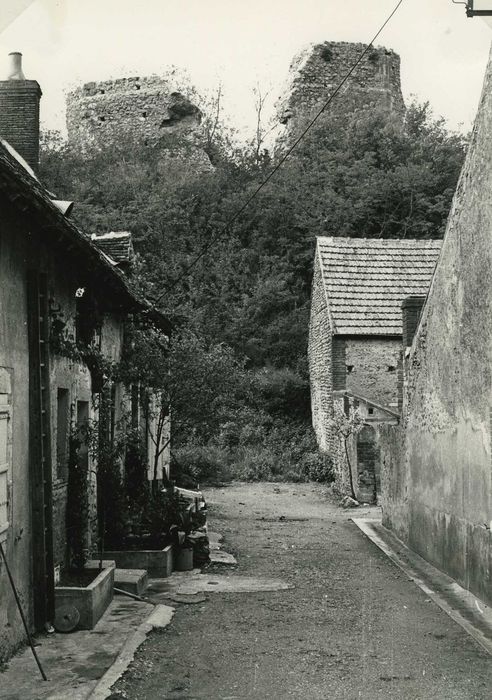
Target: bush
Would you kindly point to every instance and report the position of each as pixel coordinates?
(318, 467)
(254, 447)
(194, 464)
(256, 464)
(282, 392)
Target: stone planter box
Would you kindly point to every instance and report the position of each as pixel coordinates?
(91, 601)
(157, 562)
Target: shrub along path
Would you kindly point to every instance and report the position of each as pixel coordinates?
(353, 627)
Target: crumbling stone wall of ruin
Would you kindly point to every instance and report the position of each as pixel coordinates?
(150, 109)
(316, 72)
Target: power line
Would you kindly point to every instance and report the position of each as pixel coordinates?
(282, 160)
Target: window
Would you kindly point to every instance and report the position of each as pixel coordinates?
(87, 317)
(370, 410)
(4, 465)
(62, 425)
(82, 425)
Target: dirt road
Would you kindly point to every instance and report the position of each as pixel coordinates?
(352, 627)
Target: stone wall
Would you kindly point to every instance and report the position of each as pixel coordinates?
(150, 107)
(371, 368)
(22, 252)
(320, 361)
(439, 492)
(393, 479)
(152, 110)
(316, 71)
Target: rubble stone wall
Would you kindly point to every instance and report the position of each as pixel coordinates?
(150, 108)
(316, 72)
(320, 362)
(372, 368)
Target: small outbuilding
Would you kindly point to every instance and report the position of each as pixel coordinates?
(355, 334)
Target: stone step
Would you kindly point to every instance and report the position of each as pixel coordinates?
(215, 540)
(218, 556)
(131, 580)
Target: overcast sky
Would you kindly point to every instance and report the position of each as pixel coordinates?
(241, 43)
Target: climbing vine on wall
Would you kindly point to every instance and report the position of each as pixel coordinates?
(77, 511)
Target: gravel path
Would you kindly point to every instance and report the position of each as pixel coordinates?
(353, 627)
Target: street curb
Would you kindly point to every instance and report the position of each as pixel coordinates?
(159, 618)
(476, 616)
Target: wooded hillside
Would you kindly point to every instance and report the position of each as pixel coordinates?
(239, 295)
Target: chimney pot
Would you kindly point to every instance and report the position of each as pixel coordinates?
(15, 66)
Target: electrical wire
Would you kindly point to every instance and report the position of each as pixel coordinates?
(245, 205)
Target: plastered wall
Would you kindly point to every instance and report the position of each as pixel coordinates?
(438, 496)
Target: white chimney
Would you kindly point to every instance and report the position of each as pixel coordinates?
(15, 67)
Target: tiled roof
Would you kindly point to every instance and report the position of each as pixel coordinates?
(367, 279)
(116, 245)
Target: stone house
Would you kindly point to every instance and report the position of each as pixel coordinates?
(50, 273)
(355, 334)
(436, 477)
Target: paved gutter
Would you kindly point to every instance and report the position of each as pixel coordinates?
(474, 616)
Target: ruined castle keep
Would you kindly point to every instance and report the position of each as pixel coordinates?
(149, 108)
(315, 73)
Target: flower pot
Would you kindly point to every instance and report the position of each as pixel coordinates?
(183, 559)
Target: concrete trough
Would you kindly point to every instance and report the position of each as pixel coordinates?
(158, 562)
(91, 601)
(131, 580)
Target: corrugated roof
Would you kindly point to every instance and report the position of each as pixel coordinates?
(366, 280)
(116, 244)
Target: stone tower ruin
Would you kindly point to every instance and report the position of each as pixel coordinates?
(149, 108)
(316, 72)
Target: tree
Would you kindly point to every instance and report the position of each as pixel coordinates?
(239, 294)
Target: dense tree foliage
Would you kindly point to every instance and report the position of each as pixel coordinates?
(244, 302)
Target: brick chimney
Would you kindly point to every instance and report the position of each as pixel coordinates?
(19, 111)
(411, 308)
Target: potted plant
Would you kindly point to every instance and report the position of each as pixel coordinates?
(85, 587)
(148, 540)
(190, 540)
